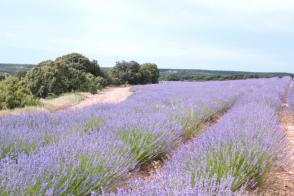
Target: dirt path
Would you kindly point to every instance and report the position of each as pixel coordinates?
(107, 95)
(281, 181)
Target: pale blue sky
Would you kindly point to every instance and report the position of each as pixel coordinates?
(249, 35)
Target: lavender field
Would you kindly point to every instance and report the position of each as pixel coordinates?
(89, 151)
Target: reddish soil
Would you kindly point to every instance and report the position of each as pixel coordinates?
(107, 95)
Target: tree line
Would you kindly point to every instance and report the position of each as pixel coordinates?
(69, 73)
(207, 75)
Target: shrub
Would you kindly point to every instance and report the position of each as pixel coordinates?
(93, 83)
(21, 74)
(71, 72)
(149, 73)
(81, 63)
(3, 75)
(133, 73)
(126, 72)
(13, 94)
(173, 77)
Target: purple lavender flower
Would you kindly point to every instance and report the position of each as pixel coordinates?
(85, 151)
(233, 154)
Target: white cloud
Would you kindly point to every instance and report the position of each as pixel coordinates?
(202, 32)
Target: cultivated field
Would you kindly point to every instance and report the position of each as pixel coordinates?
(172, 138)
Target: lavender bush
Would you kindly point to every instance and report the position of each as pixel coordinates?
(229, 157)
(291, 98)
(73, 166)
(76, 152)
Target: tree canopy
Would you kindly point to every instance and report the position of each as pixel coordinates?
(81, 63)
(149, 73)
(13, 94)
(4, 75)
(72, 72)
(131, 72)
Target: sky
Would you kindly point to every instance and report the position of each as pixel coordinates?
(244, 35)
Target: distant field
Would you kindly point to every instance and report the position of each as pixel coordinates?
(174, 74)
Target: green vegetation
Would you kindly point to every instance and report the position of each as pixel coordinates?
(169, 74)
(92, 124)
(4, 75)
(133, 73)
(13, 94)
(63, 101)
(49, 104)
(219, 166)
(78, 178)
(206, 75)
(80, 62)
(149, 73)
(13, 69)
(68, 73)
(125, 73)
(146, 146)
(76, 73)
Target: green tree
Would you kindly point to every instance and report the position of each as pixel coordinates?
(21, 74)
(65, 74)
(173, 77)
(4, 75)
(13, 94)
(81, 63)
(149, 73)
(126, 73)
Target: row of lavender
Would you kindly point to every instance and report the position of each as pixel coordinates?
(29, 132)
(77, 152)
(291, 97)
(229, 157)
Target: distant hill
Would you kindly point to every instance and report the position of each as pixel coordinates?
(13, 69)
(204, 75)
(174, 74)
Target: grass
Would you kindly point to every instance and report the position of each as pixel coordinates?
(61, 102)
(146, 146)
(48, 104)
(13, 149)
(93, 124)
(223, 162)
(21, 110)
(191, 124)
